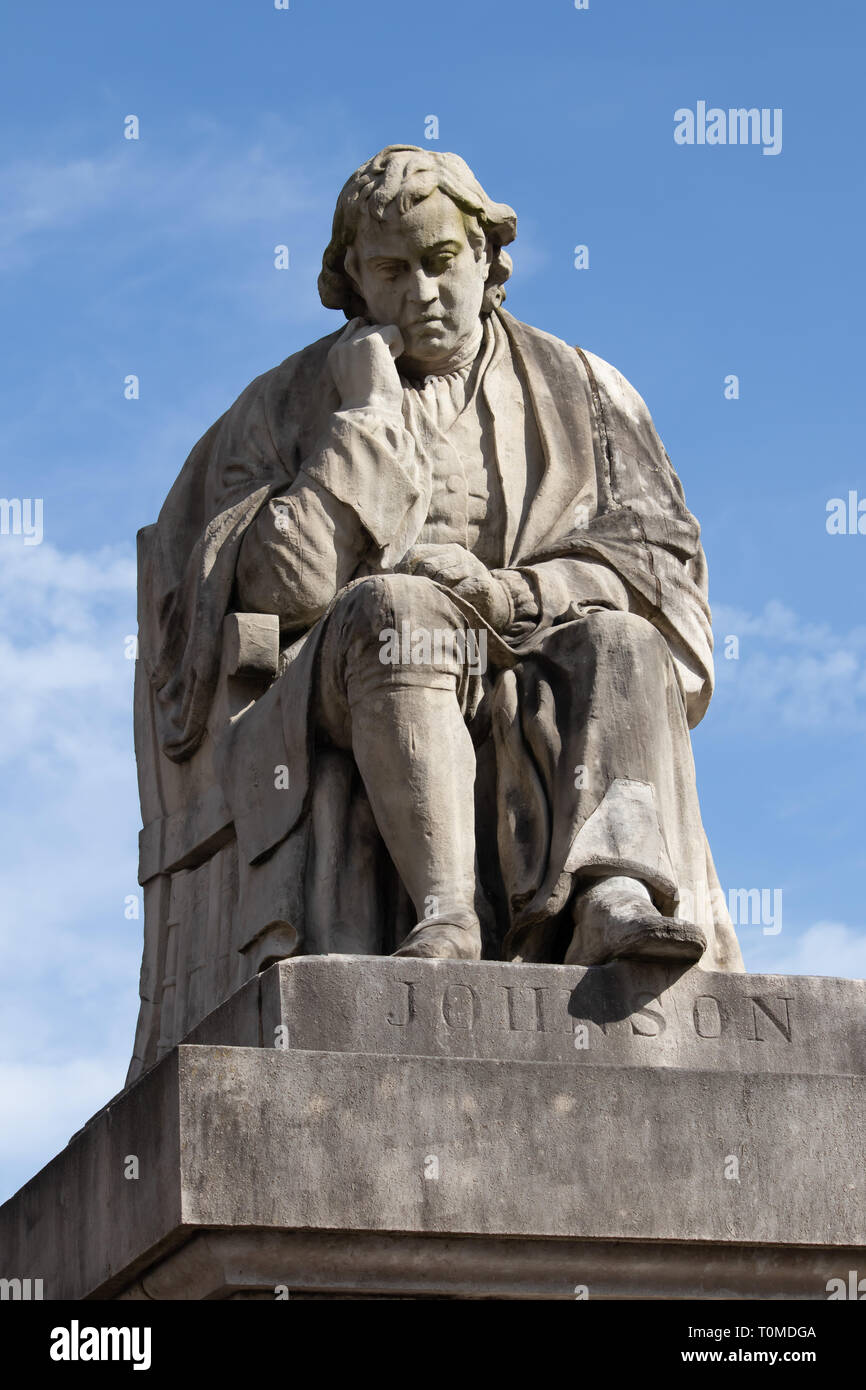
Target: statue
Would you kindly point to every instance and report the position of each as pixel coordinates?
(487, 602)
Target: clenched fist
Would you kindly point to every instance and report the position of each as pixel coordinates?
(460, 570)
(362, 365)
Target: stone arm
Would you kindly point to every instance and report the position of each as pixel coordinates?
(668, 587)
(348, 502)
(555, 591)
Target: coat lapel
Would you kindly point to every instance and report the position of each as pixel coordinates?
(561, 403)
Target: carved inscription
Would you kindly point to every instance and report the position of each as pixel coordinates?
(524, 1008)
(707, 1016)
(759, 1033)
(404, 1011)
(461, 1007)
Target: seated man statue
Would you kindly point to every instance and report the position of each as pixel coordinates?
(492, 609)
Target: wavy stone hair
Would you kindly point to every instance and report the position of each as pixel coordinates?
(406, 174)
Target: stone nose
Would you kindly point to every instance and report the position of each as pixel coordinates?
(423, 289)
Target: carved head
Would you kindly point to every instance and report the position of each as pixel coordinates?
(417, 242)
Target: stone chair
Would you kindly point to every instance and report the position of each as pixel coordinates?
(212, 920)
(188, 858)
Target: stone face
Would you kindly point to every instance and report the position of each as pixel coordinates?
(668, 1164)
(623, 1014)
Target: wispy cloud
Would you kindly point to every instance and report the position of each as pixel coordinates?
(68, 830)
(184, 228)
(43, 1104)
(63, 676)
(789, 673)
(827, 948)
(47, 195)
(208, 180)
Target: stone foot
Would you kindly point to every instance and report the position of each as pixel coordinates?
(616, 919)
(442, 941)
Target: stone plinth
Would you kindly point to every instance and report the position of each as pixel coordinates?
(348, 1126)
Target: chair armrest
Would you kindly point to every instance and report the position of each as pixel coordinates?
(251, 645)
(248, 665)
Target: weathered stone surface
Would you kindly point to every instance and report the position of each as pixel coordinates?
(605, 1153)
(79, 1219)
(304, 1264)
(643, 1160)
(632, 1015)
(424, 628)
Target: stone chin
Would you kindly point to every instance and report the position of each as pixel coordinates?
(431, 344)
(434, 332)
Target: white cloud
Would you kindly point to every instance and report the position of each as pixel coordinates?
(46, 585)
(827, 948)
(68, 820)
(49, 195)
(208, 180)
(65, 685)
(44, 1103)
(789, 673)
(68, 830)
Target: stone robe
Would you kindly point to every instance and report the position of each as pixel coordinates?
(556, 478)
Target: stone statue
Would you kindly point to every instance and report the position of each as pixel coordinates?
(487, 603)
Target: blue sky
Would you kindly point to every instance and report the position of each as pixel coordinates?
(156, 257)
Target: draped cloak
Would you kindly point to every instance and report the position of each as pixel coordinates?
(607, 494)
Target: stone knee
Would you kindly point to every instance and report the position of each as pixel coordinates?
(630, 643)
(610, 628)
(386, 600)
(396, 628)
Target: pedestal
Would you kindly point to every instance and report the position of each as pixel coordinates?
(352, 1126)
